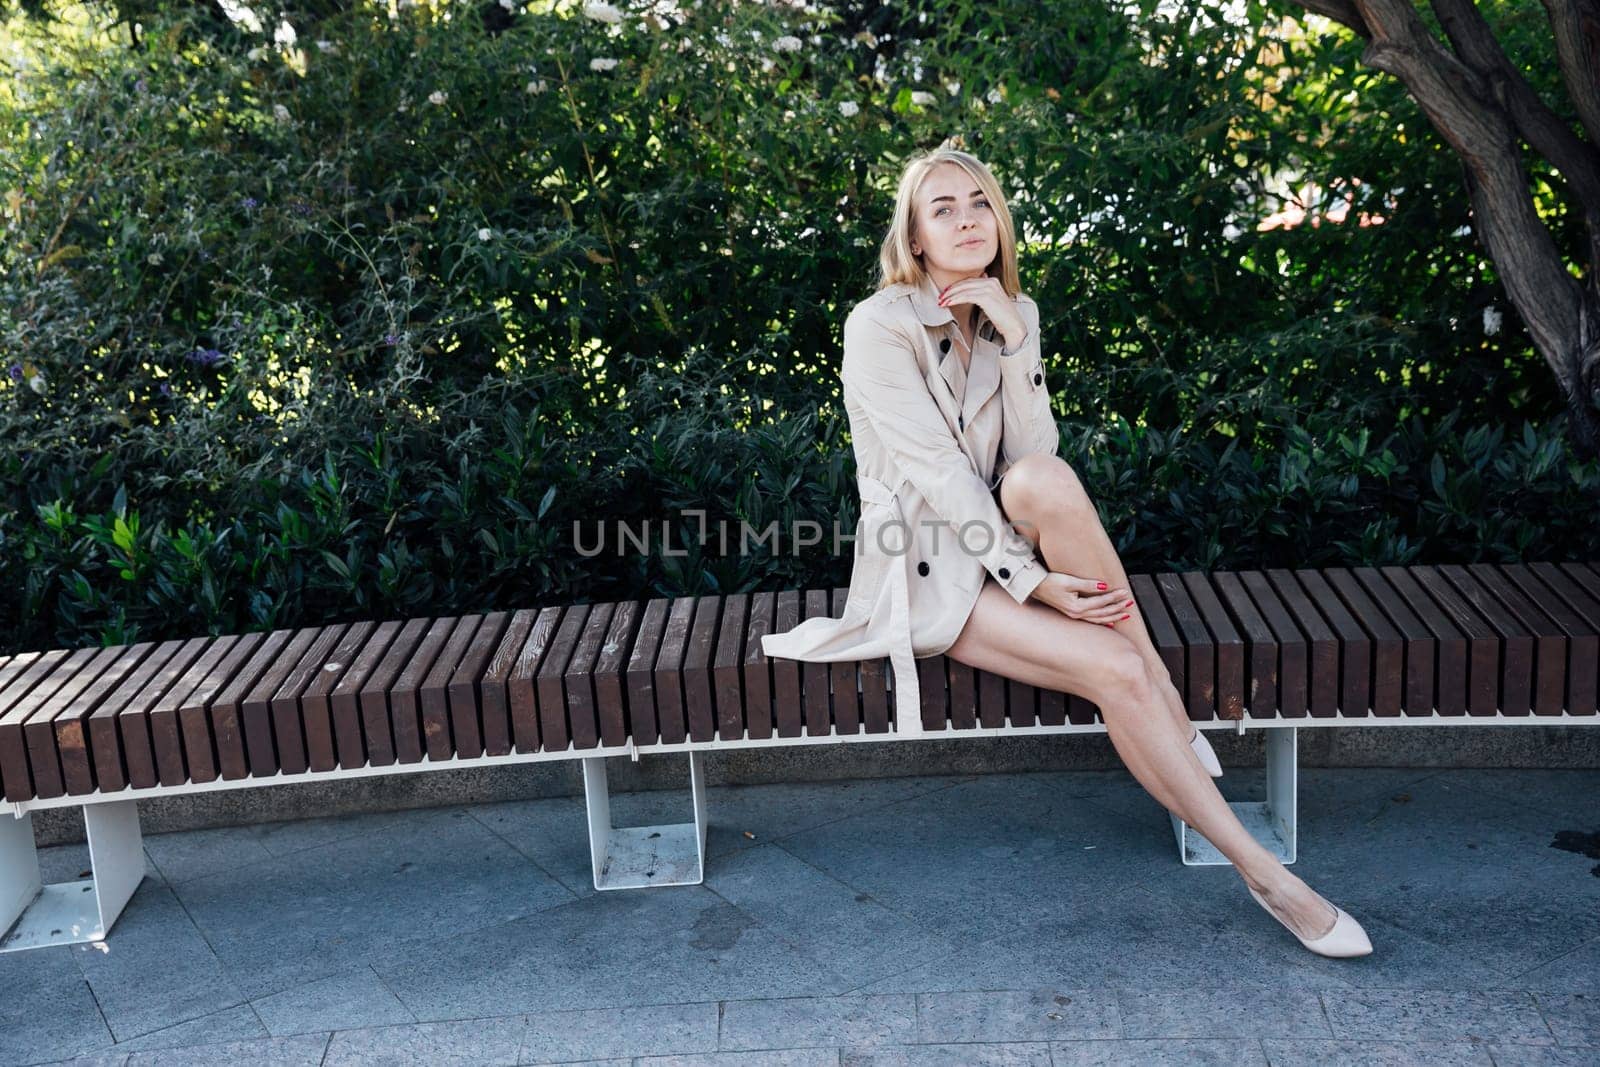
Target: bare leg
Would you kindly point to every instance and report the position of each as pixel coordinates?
(1043, 495)
(1036, 644)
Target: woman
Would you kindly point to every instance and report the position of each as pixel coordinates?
(955, 447)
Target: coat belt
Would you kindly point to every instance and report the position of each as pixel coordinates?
(907, 693)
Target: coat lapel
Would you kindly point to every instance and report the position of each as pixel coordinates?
(982, 375)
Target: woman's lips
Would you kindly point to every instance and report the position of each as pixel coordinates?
(974, 241)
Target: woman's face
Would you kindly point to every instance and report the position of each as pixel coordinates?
(955, 229)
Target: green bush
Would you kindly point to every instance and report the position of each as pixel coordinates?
(362, 326)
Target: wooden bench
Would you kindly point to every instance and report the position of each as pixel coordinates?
(103, 728)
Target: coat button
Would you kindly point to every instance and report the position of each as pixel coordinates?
(1038, 379)
(1004, 573)
(944, 345)
(922, 568)
(961, 422)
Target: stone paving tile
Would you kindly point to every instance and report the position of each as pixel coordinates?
(600, 1033)
(1568, 793)
(1163, 1052)
(1502, 1017)
(796, 1022)
(655, 946)
(1238, 1013)
(1288, 1053)
(187, 854)
(475, 1042)
(97, 1059)
(156, 970)
(1017, 1015)
(239, 1023)
(931, 857)
(349, 1000)
(1573, 1019)
(303, 1050)
(47, 1011)
(857, 936)
(796, 1057)
(1537, 1056)
(1578, 970)
(1019, 1054)
(318, 911)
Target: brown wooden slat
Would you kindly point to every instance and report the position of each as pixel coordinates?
(522, 683)
(374, 695)
(1322, 686)
(1587, 578)
(931, 679)
(1199, 655)
(464, 694)
(316, 703)
(72, 728)
(494, 688)
(1081, 710)
(1157, 621)
(1416, 641)
(405, 704)
(786, 672)
(1515, 645)
(642, 719)
(1052, 707)
(667, 676)
(1229, 694)
(1354, 644)
(551, 682)
(1546, 582)
(991, 699)
(1293, 650)
(727, 667)
(1388, 649)
(348, 704)
(609, 670)
(757, 707)
(13, 666)
(814, 675)
(44, 755)
(49, 673)
(255, 706)
(843, 679)
(196, 717)
(227, 719)
(1550, 639)
(106, 754)
(433, 693)
(1451, 645)
(1022, 703)
(1483, 642)
(583, 707)
(963, 684)
(166, 718)
(286, 705)
(138, 720)
(1261, 653)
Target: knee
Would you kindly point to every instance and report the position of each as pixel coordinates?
(1125, 681)
(1040, 484)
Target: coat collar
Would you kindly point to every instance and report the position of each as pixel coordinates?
(983, 373)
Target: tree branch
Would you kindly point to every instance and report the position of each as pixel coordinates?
(1342, 11)
(1577, 30)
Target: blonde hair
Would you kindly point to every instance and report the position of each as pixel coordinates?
(895, 261)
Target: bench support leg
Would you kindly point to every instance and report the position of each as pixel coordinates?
(69, 913)
(1271, 821)
(632, 857)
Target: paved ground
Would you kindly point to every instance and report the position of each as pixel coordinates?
(1004, 919)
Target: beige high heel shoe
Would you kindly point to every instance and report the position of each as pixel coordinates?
(1208, 758)
(1345, 940)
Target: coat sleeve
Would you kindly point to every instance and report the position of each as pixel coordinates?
(1027, 423)
(881, 374)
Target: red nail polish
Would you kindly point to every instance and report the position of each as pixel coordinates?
(1102, 585)
(1124, 617)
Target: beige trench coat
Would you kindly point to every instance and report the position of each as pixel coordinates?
(931, 441)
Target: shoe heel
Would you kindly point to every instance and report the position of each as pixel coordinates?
(1202, 749)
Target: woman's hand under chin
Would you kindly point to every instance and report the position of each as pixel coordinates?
(997, 304)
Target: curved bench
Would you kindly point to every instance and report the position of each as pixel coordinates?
(103, 728)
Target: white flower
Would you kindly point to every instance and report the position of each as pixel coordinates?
(602, 12)
(284, 34)
(599, 63)
(993, 96)
(36, 382)
(485, 234)
(849, 108)
(328, 46)
(509, 5)
(921, 99)
(786, 43)
(767, 64)
(154, 259)
(953, 87)
(256, 54)
(280, 112)
(1492, 320)
(536, 86)
(808, 231)
(438, 97)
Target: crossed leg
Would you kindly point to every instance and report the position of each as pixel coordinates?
(1036, 644)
